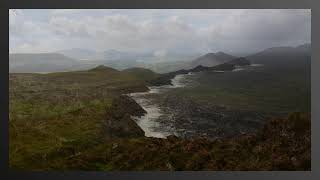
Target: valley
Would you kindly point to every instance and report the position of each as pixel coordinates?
(236, 114)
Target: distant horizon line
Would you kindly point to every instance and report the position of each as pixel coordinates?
(177, 52)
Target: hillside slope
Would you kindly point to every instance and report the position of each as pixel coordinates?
(141, 73)
(284, 57)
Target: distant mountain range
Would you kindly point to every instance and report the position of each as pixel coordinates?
(43, 62)
(72, 59)
(108, 55)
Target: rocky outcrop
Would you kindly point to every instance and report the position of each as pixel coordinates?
(118, 118)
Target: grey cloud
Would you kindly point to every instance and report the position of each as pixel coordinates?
(169, 30)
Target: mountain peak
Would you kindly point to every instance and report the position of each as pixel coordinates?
(212, 59)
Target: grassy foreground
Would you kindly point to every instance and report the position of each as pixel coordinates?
(61, 112)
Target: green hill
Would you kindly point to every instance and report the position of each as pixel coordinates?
(59, 112)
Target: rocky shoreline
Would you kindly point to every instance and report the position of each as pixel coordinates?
(165, 79)
(182, 116)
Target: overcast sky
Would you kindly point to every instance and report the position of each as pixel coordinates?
(158, 31)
